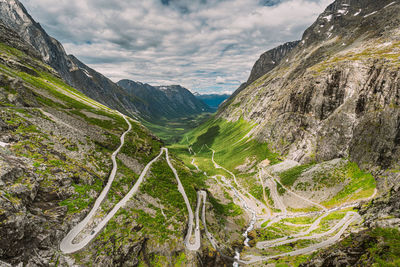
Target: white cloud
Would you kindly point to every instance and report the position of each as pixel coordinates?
(189, 42)
(220, 80)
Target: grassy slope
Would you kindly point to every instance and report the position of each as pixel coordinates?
(51, 92)
(232, 149)
(171, 131)
(359, 184)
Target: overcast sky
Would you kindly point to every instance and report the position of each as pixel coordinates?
(204, 45)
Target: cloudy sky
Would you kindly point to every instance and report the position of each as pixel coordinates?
(204, 45)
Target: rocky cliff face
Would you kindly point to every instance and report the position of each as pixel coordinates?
(270, 60)
(14, 15)
(75, 73)
(88, 81)
(164, 101)
(267, 62)
(336, 94)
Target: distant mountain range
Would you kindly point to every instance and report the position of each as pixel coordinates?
(164, 101)
(134, 101)
(212, 100)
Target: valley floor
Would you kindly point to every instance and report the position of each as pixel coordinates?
(284, 223)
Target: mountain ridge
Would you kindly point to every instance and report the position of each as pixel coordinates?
(213, 100)
(172, 101)
(73, 71)
(325, 92)
(57, 149)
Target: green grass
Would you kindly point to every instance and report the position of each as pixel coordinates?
(233, 148)
(229, 141)
(361, 185)
(172, 130)
(280, 189)
(289, 177)
(222, 210)
(385, 252)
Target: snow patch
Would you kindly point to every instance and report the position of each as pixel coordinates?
(328, 18)
(343, 11)
(370, 14)
(385, 44)
(358, 13)
(392, 3)
(86, 73)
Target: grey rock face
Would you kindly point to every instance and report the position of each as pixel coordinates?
(270, 60)
(267, 62)
(14, 15)
(336, 93)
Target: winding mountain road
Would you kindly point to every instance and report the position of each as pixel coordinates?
(345, 223)
(189, 245)
(67, 246)
(192, 241)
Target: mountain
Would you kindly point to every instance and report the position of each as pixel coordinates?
(90, 82)
(59, 149)
(267, 61)
(298, 167)
(329, 86)
(165, 101)
(270, 60)
(212, 100)
(74, 72)
(333, 96)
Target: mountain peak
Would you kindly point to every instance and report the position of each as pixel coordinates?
(172, 101)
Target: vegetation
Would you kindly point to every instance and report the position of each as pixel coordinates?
(289, 177)
(172, 131)
(361, 185)
(375, 247)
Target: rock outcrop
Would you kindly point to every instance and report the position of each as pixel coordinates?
(336, 93)
(270, 60)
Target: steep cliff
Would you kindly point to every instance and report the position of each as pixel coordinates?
(270, 60)
(336, 94)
